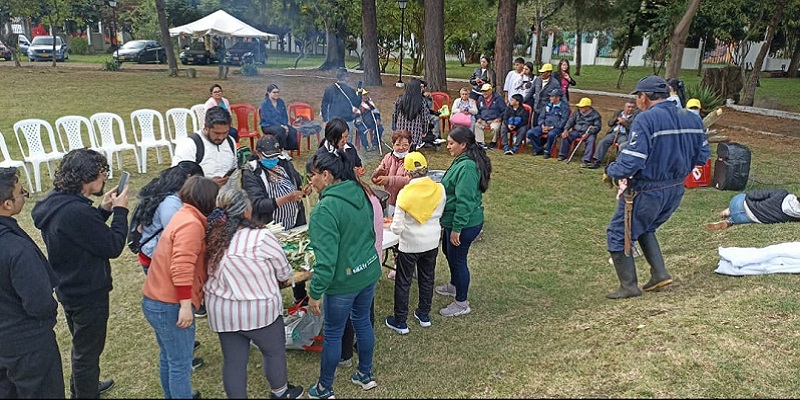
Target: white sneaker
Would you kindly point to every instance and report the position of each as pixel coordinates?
(455, 309)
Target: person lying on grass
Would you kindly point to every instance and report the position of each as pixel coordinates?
(768, 206)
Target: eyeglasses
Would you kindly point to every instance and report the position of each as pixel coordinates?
(106, 172)
(22, 193)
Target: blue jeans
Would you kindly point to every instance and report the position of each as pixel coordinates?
(457, 258)
(336, 309)
(176, 347)
(736, 206)
(534, 136)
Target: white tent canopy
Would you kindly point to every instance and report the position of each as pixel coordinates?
(220, 23)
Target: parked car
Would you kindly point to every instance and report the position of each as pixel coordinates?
(23, 43)
(41, 48)
(196, 54)
(242, 52)
(141, 51)
(5, 52)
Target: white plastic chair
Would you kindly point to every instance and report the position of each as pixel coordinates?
(104, 125)
(200, 111)
(179, 126)
(8, 162)
(148, 121)
(71, 126)
(36, 153)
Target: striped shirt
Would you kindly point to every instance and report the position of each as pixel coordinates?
(278, 183)
(242, 293)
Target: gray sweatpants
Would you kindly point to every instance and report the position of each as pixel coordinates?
(271, 340)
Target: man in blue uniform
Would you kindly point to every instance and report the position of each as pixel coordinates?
(664, 145)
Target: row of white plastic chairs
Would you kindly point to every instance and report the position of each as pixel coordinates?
(148, 132)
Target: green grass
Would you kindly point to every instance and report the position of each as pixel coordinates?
(540, 325)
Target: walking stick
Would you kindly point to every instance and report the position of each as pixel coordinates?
(575, 150)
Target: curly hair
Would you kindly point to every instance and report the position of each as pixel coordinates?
(223, 223)
(78, 167)
(8, 179)
(169, 181)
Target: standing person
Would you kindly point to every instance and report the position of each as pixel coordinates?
(677, 92)
(411, 113)
(654, 172)
(390, 173)
(80, 246)
(347, 268)
(337, 134)
(216, 100)
(514, 80)
(341, 101)
(212, 147)
(416, 221)
(245, 303)
(174, 286)
(30, 362)
(490, 114)
(462, 219)
(275, 119)
(527, 84)
(543, 85)
(564, 78)
(481, 76)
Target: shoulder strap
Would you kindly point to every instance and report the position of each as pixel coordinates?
(143, 242)
(201, 148)
(345, 94)
(229, 139)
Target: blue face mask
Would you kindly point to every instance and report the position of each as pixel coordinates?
(269, 163)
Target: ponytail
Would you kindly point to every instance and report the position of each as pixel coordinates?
(464, 135)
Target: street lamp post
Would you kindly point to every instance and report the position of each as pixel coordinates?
(113, 5)
(402, 4)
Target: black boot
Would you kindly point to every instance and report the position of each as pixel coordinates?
(659, 277)
(626, 272)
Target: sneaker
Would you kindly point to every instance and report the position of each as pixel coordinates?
(201, 312)
(346, 363)
(197, 362)
(538, 153)
(314, 392)
(718, 226)
(424, 319)
(366, 382)
(196, 344)
(492, 145)
(196, 394)
(292, 392)
(455, 309)
(514, 150)
(585, 164)
(561, 158)
(594, 165)
(399, 327)
(446, 290)
(392, 274)
(546, 155)
(505, 149)
(509, 153)
(104, 386)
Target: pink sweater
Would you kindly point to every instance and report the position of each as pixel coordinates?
(397, 176)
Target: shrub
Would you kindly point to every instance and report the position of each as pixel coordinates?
(249, 70)
(79, 45)
(708, 98)
(111, 65)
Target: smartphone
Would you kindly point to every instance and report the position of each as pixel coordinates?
(229, 173)
(123, 181)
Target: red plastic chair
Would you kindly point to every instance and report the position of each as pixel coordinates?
(524, 133)
(440, 99)
(246, 122)
(299, 111)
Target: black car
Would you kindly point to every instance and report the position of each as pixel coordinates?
(141, 51)
(196, 54)
(243, 52)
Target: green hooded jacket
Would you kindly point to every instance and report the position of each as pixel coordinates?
(343, 237)
(463, 207)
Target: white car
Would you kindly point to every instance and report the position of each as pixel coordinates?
(41, 48)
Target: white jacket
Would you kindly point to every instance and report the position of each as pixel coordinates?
(416, 237)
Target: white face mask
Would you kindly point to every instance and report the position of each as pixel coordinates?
(695, 112)
(400, 155)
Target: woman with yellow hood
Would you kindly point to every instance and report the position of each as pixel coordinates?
(420, 205)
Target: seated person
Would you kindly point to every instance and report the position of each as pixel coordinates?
(694, 106)
(435, 130)
(620, 124)
(490, 113)
(583, 124)
(551, 123)
(515, 121)
(368, 124)
(768, 206)
(275, 119)
(464, 105)
(216, 100)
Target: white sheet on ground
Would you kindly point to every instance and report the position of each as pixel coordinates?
(783, 258)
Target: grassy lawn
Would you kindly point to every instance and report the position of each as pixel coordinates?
(540, 325)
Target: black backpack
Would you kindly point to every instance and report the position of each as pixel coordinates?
(201, 148)
(135, 241)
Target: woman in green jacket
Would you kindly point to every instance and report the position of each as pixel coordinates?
(347, 265)
(462, 220)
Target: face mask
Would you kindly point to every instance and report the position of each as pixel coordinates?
(400, 155)
(695, 112)
(269, 163)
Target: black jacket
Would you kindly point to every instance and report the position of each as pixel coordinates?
(766, 206)
(263, 206)
(27, 308)
(80, 244)
(336, 104)
(519, 112)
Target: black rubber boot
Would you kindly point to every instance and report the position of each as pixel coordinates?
(659, 277)
(626, 272)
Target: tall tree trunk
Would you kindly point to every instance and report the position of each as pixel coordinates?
(435, 73)
(677, 40)
(578, 50)
(540, 39)
(165, 38)
(752, 78)
(795, 63)
(335, 51)
(369, 19)
(504, 42)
